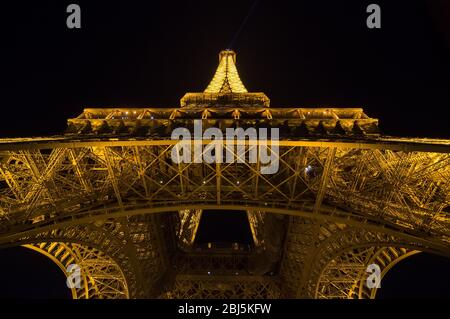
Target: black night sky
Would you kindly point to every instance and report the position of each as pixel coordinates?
(300, 53)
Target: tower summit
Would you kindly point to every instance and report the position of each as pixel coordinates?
(226, 88)
(226, 103)
(226, 79)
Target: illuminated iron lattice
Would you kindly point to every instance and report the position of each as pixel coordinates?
(107, 196)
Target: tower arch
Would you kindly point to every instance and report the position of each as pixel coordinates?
(100, 276)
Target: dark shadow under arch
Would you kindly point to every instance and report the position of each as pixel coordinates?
(25, 273)
(218, 226)
(422, 275)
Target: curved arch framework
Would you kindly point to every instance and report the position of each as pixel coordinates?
(101, 277)
(333, 256)
(345, 276)
(386, 258)
(135, 245)
(320, 259)
(329, 260)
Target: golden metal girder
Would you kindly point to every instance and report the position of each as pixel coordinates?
(188, 226)
(127, 175)
(101, 277)
(223, 287)
(345, 276)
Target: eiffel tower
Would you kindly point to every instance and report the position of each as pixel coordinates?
(107, 197)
